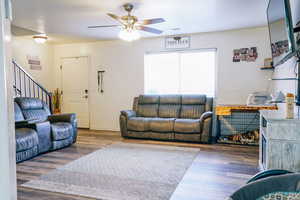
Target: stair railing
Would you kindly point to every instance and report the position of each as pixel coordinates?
(25, 86)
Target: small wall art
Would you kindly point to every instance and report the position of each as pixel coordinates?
(34, 62)
(178, 42)
(245, 54)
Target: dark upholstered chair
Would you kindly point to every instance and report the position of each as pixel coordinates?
(169, 117)
(37, 131)
(26, 138)
(270, 184)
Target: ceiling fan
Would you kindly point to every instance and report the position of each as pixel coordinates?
(130, 25)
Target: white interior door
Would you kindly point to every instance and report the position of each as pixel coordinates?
(75, 87)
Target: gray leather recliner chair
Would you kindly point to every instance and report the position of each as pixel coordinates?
(37, 131)
(169, 117)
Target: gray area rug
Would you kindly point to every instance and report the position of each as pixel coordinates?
(121, 172)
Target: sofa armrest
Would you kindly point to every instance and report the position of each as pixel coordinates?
(70, 118)
(206, 115)
(125, 115)
(128, 113)
(206, 126)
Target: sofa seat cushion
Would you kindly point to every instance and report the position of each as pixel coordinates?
(187, 126)
(138, 124)
(26, 139)
(61, 130)
(162, 124)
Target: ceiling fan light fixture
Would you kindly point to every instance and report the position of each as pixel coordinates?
(42, 38)
(129, 35)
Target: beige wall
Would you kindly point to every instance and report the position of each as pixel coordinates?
(124, 66)
(24, 46)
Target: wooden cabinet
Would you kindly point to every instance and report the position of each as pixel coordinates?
(279, 141)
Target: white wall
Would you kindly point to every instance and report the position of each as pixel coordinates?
(124, 66)
(24, 46)
(8, 188)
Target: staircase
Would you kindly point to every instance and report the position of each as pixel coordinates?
(25, 86)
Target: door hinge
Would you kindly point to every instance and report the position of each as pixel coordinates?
(60, 67)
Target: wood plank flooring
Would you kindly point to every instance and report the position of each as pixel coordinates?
(216, 172)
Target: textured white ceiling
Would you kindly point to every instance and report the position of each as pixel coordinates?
(70, 18)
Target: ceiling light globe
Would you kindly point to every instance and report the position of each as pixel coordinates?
(129, 35)
(40, 38)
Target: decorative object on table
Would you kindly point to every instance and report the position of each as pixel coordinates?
(100, 81)
(279, 97)
(245, 54)
(259, 99)
(290, 100)
(56, 99)
(178, 42)
(268, 63)
(34, 62)
(121, 171)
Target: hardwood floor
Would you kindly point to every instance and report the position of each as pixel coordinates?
(217, 171)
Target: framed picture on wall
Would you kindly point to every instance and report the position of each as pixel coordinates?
(178, 42)
(34, 62)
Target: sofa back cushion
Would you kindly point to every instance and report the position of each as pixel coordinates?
(169, 106)
(173, 106)
(18, 113)
(148, 106)
(33, 108)
(193, 106)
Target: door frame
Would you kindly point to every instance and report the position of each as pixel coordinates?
(8, 186)
(89, 75)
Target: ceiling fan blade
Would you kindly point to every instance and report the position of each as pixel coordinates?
(148, 29)
(152, 21)
(114, 16)
(19, 31)
(104, 26)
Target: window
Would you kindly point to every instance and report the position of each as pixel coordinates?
(180, 73)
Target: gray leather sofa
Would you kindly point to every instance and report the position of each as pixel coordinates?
(169, 117)
(37, 131)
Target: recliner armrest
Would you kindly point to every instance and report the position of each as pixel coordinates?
(268, 173)
(25, 123)
(128, 113)
(206, 115)
(70, 117)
